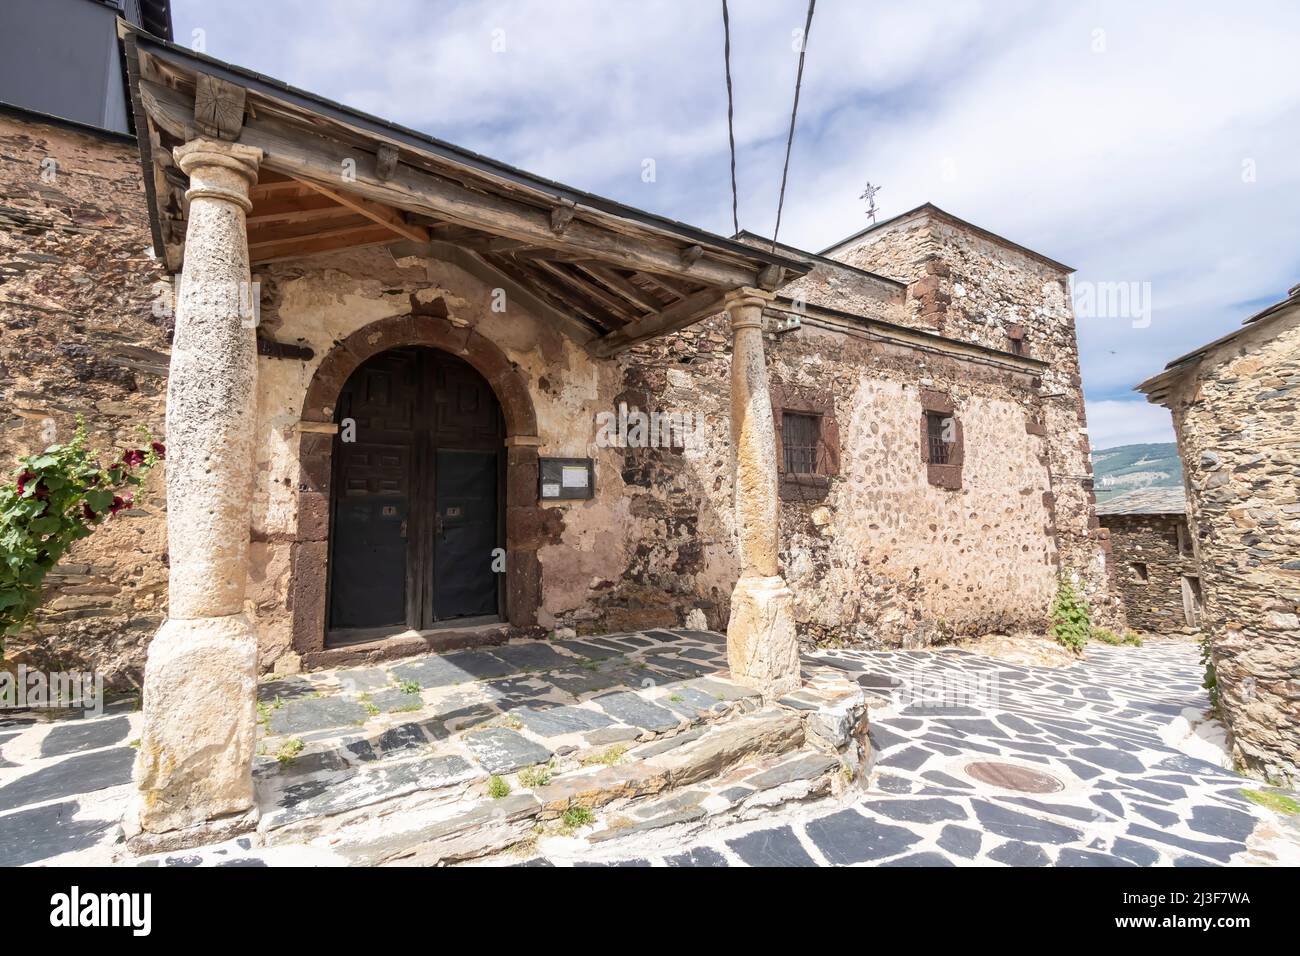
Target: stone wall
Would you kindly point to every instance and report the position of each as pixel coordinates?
(84, 331)
(1159, 546)
(1237, 419)
(970, 285)
(881, 556)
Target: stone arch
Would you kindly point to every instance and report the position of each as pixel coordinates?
(524, 519)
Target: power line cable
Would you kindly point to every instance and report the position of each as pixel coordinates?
(731, 133)
(798, 82)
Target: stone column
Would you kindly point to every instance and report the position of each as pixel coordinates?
(762, 651)
(194, 767)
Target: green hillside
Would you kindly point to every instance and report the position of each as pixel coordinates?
(1126, 467)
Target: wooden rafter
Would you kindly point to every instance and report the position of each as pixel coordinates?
(385, 216)
(617, 307)
(686, 312)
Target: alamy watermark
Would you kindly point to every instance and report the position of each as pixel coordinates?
(632, 428)
(1112, 300)
(31, 689)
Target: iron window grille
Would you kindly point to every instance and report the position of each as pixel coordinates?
(937, 426)
(800, 436)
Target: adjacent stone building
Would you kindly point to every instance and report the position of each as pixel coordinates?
(1236, 415)
(1153, 559)
(419, 399)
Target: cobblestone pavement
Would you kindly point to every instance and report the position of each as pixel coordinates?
(1091, 747)
(1090, 741)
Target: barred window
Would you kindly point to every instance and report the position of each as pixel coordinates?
(938, 432)
(800, 436)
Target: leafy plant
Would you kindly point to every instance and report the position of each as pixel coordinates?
(57, 498)
(577, 816)
(1107, 636)
(498, 788)
(535, 776)
(1211, 680)
(1071, 619)
(289, 751)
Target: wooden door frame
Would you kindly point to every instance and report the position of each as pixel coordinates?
(528, 526)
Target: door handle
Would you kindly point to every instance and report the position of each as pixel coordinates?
(403, 529)
(437, 523)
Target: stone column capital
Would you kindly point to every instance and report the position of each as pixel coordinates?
(745, 306)
(219, 170)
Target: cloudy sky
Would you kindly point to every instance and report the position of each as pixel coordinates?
(1150, 143)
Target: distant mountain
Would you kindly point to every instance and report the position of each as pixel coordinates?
(1127, 467)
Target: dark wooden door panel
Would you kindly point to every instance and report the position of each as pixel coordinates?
(416, 493)
(464, 584)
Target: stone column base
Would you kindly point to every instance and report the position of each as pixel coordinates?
(762, 650)
(196, 750)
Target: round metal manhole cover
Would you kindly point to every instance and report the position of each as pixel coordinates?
(1009, 776)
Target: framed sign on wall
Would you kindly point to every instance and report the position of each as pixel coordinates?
(566, 479)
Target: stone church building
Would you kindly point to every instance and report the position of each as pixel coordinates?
(389, 367)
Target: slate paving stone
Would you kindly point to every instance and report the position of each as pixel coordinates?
(1082, 814)
(1108, 758)
(30, 836)
(1135, 852)
(849, 837)
(979, 727)
(634, 709)
(502, 750)
(1222, 822)
(777, 847)
(1016, 853)
(362, 679)
(890, 783)
(929, 858)
(1182, 763)
(395, 701)
(579, 681)
(698, 856)
(317, 713)
(909, 759)
(80, 773)
(1216, 850)
(431, 672)
(1070, 856)
(592, 652)
(917, 811)
(1082, 770)
(1165, 791)
(75, 736)
(555, 721)
(1108, 803)
(944, 780)
(960, 841)
(882, 738)
(807, 767)
(286, 688)
(531, 656)
(405, 737)
(1021, 826)
(478, 665)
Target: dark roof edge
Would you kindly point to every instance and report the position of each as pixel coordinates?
(49, 119)
(815, 257)
(932, 209)
(1030, 364)
(1152, 386)
(271, 87)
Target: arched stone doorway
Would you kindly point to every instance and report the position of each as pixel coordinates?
(522, 519)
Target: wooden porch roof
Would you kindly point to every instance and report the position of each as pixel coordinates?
(333, 178)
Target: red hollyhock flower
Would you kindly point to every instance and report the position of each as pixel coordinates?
(25, 477)
(119, 503)
(87, 512)
(159, 449)
(133, 457)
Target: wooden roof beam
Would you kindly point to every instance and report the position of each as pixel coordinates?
(385, 216)
(677, 316)
(303, 155)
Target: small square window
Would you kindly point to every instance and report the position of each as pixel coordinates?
(940, 434)
(1139, 570)
(800, 437)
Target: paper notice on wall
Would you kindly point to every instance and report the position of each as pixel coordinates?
(574, 476)
(550, 490)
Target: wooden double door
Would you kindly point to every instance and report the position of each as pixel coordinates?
(417, 511)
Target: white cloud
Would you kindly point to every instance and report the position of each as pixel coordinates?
(1126, 164)
(1135, 422)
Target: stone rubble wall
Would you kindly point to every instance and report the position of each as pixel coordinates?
(1237, 418)
(970, 286)
(1154, 605)
(84, 330)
